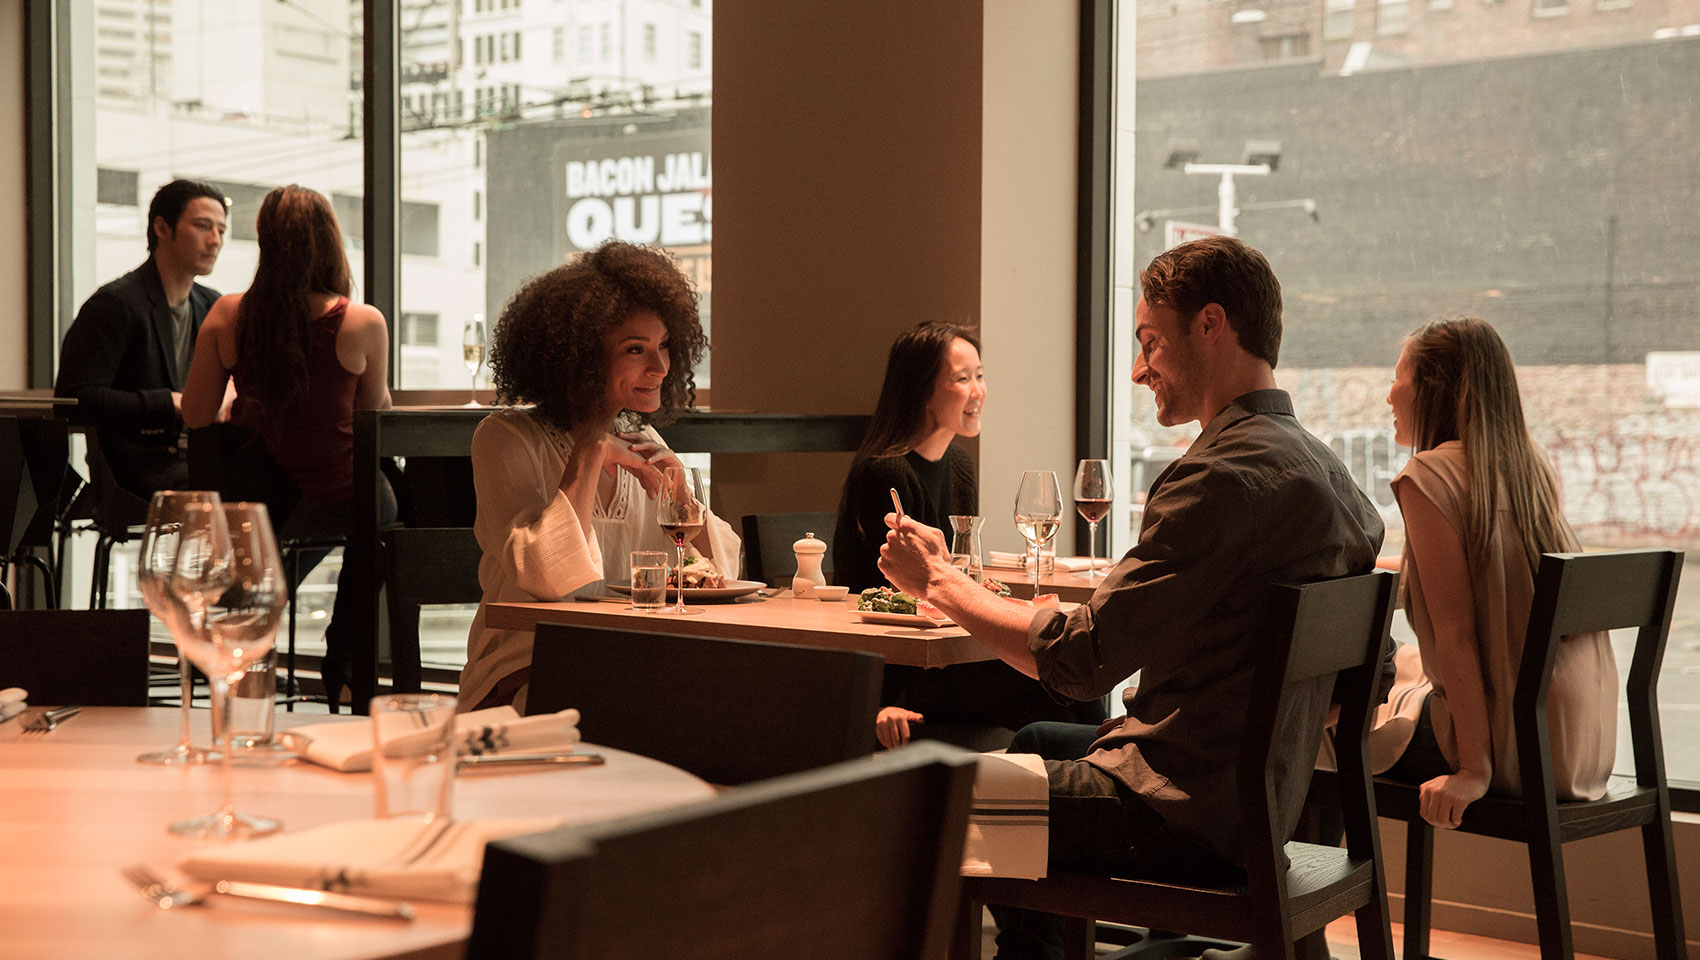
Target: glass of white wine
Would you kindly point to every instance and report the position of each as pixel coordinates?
(474, 343)
(1093, 491)
(1038, 513)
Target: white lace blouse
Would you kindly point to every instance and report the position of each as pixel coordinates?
(536, 547)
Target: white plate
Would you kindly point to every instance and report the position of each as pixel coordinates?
(900, 619)
(732, 591)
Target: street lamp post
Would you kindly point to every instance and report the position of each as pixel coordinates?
(1227, 195)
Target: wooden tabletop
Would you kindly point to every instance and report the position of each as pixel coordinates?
(782, 619)
(1069, 587)
(75, 807)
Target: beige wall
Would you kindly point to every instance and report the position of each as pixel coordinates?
(14, 232)
(847, 209)
(877, 166)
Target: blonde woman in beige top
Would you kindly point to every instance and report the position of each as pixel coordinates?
(1481, 505)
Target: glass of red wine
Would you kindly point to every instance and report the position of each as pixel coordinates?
(1093, 491)
(681, 510)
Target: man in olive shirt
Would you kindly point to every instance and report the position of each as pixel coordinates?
(127, 354)
(1254, 502)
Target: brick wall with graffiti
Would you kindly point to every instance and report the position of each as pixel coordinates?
(1628, 465)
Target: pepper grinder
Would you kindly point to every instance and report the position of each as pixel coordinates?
(811, 553)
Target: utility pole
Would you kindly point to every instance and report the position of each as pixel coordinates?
(1227, 196)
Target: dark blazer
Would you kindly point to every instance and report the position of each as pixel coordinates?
(119, 364)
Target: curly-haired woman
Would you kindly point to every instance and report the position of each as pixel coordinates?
(606, 341)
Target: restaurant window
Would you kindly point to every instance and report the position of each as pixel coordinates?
(1548, 215)
(247, 99)
(1337, 19)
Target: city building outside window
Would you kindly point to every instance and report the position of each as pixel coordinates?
(1391, 15)
(1337, 19)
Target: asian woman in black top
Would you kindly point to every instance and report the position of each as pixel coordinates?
(934, 392)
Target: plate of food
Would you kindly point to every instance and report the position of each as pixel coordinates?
(704, 583)
(896, 608)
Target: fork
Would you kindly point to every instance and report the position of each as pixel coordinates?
(168, 895)
(44, 722)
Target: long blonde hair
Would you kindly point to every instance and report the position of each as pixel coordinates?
(1465, 389)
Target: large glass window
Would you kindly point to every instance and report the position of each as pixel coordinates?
(1469, 162)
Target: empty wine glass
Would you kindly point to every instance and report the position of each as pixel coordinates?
(474, 342)
(681, 510)
(229, 575)
(153, 576)
(1093, 491)
(1038, 513)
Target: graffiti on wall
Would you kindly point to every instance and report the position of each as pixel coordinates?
(1637, 484)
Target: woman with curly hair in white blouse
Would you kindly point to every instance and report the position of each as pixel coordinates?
(601, 348)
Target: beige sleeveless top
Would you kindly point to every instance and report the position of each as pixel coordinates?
(1582, 704)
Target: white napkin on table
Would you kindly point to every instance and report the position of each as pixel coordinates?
(12, 702)
(1009, 824)
(999, 560)
(346, 745)
(381, 858)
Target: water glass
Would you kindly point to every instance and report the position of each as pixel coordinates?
(649, 579)
(251, 724)
(413, 755)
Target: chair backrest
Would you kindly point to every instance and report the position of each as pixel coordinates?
(93, 658)
(1329, 632)
(42, 444)
(768, 537)
(17, 489)
(234, 461)
(1585, 593)
(108, 503)
(855, 860)
(729, 711)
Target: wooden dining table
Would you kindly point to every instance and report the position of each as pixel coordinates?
(781, 619)
(75, 807)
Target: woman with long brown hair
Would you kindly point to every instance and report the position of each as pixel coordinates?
(302, 359)
(1481, 505)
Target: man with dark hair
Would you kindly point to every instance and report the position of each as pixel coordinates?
(127, 354)
(1254, 502)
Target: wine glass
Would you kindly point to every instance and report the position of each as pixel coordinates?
(682, 512)
(230, 577)
(1038, 513)
(473, 343)
(153, 576)
(1093, 491)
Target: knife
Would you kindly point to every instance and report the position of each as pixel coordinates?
(364, 906)
(520, 759)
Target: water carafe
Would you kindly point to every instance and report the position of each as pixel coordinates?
(965, 539)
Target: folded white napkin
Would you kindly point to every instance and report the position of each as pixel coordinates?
(12, 695)
(999, 560)
(1077, 564)
(1009, 825)
(10, 710)
(346, 745)
(381, 858)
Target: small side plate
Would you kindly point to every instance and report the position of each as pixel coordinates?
(900, 619)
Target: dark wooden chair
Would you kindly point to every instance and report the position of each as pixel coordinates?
(35, 454)
(1334, 627)
(729, 711)
(424, 565)
(768, 537)
(848, 862)
(114, 514)
(1574, 593)
(93, 658)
